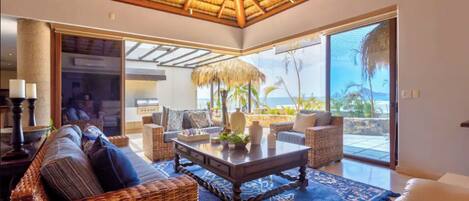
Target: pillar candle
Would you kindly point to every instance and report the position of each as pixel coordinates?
(31, 90)
(17, 89)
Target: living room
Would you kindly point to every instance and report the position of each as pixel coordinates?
(384, 81)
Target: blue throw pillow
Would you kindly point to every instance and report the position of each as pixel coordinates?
(112, 168)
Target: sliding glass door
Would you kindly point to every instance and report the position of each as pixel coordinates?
(362, 89)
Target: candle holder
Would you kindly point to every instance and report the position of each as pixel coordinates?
(17, 138)
(32, 106)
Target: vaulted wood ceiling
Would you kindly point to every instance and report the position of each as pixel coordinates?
(237, 13)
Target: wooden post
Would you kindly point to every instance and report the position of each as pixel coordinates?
(249, 98)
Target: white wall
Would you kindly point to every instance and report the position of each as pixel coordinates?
(129, 19)
(177, 91)
(433, 47)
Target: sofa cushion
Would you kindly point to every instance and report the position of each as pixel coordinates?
(304, 121)
(199, 119)
(164, 118)
(186, 122)
(146, 172)
(71, 132)
(90, 134)
(175, 120)
(323, 118)
(169, 135)
(67, 170)
(291, 137)
(112, 167)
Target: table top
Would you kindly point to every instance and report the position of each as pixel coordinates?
(240, 156)
(11, 165)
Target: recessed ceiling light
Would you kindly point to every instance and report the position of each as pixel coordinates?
(190, 11)
(10, 54)
(9, 64)
(112, 16)
(292, 1)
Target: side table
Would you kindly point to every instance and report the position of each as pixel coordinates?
(12, 171)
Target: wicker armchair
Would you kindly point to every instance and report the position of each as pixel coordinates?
(154, 146)
(31, 186)
(326, 141)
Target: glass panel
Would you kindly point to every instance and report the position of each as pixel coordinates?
(91, 82)
(360, 89)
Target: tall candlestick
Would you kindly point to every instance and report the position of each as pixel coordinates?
(31, 90)
(17, 89)
(17, 138)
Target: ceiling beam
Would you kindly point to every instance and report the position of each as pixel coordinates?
(149, 52)
(211, 58)
(275, 11)
(166, 53)
(220, 12)
(132, 48)
(179, 57)
(179, 11)
(187, 5)
(258, 6)
(190, 59)
(217, 61)
(240, 15)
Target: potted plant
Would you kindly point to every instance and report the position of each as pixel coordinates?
(237, 140)
(224, 137)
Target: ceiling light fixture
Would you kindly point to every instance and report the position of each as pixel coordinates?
(292, 1)
(112, 16)
(190, 11)
(10, 54)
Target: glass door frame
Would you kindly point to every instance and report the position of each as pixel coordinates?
(392, 90)
(56, 75)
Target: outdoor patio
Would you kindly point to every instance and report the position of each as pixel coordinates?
(373, 147)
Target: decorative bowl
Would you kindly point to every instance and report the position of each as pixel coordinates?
(30, 134)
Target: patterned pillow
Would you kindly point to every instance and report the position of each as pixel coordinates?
(67, 171)
(90, 134)
(175, 120)
(200, 119)
(164, 118)
(71, 132)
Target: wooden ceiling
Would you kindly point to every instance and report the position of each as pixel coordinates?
(237, 13)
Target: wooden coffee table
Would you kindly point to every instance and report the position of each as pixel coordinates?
(242, 165)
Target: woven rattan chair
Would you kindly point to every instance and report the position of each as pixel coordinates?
(326, 141)
(31, 186)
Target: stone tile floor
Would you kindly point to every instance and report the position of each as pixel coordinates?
(373, 147)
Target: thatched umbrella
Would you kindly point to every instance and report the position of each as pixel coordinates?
(375, 54)
(230, 72)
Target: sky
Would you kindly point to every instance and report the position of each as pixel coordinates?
(345, 67)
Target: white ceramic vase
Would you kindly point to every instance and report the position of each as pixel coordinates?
(271, 141)
(238, 121)
(255, 133)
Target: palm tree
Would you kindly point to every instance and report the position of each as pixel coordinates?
(375, 55)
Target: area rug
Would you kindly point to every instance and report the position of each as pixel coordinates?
(322, 186)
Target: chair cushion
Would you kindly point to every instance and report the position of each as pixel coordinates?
(175, 120)
(186, 122)
(146, 172)
(291, 137)
(164, 118)
(112, 167)
(199, 119)
(304, 121)
(323, 118)
(71, 132)
(67, 170)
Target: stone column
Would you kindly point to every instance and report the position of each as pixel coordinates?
(34, 65)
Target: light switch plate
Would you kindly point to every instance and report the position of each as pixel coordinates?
(406, 94)
(415, 93)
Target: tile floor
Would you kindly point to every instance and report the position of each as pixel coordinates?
(374, 147)
(363, 172)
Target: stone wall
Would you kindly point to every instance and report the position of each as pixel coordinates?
(366, 126)
(266, 119)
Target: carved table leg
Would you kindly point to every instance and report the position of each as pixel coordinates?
(176, 162)
(236, 192)
(302, 178)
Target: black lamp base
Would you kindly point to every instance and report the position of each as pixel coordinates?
(15, 155)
